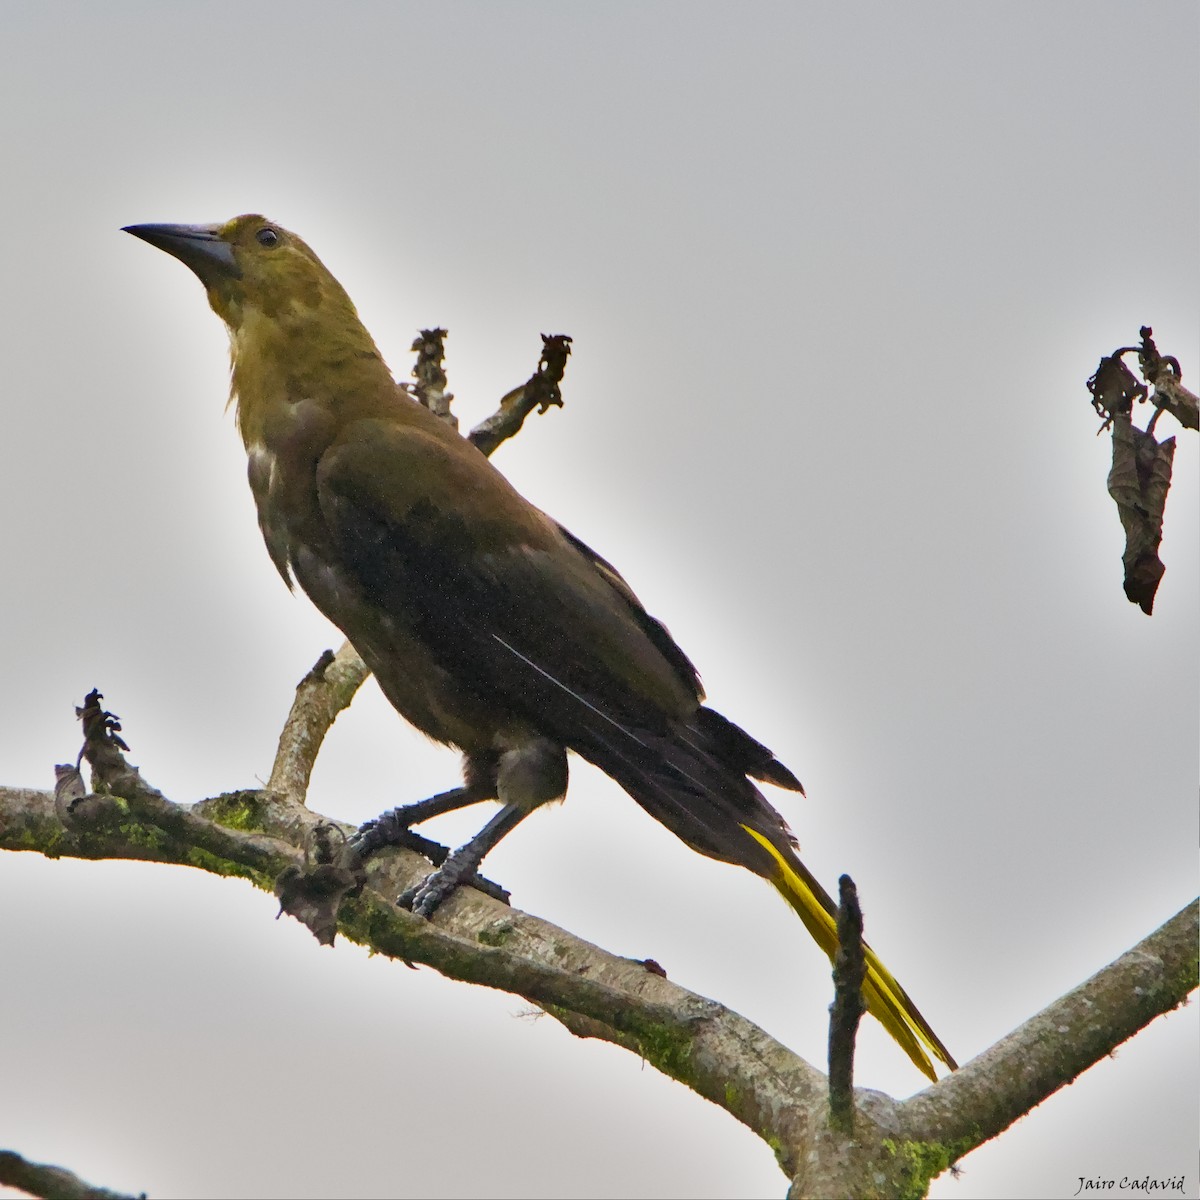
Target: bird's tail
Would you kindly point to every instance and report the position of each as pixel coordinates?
(694, 781)
(883, 996)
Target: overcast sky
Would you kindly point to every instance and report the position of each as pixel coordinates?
(836, 275)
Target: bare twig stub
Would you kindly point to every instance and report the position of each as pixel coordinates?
(540, 391)
(139, 819)
(1164, 373)
(849, 970)
(431, 386)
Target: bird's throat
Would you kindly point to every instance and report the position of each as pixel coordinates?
(278, 363)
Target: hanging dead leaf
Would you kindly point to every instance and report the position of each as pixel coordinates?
(1139, 481)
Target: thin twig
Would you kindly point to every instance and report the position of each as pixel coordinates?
(540, 391)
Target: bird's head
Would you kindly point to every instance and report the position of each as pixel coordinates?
(249, 265)
(293, 330)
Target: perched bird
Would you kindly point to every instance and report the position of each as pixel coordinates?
(488, 626)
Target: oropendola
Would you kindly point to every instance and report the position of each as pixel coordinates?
(488, 625)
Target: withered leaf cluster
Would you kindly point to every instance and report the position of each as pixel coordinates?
(1141, 466)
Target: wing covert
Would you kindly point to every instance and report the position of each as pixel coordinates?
(501, 596)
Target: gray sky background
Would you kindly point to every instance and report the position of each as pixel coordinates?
(836, 276)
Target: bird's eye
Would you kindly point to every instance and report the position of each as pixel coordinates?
(267, 236)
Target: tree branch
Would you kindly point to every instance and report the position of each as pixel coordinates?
(55, 1183)
(473, 938)
(1053, 1048)
(320, 696)
(716, 1052)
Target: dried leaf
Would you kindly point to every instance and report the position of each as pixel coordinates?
(313, 896)
(1139, 481)
(313, 893)
(1114, 388)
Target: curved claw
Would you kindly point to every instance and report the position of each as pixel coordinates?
(375, 834)
(426, 897)
(461, 867)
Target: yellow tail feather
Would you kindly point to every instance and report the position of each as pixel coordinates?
(883, 996)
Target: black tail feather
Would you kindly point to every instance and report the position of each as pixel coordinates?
(693, 779)
(735, 747)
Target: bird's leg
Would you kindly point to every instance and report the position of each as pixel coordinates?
(392, 828)
(460, 867)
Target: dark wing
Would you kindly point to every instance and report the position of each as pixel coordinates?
(537, 624)
(497, 591)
